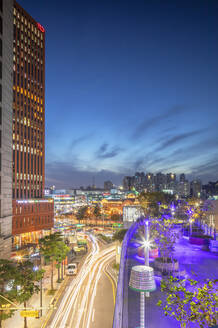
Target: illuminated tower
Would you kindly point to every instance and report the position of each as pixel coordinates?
(31, 212)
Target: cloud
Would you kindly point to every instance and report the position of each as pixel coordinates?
(75, 142)
(104, 151)
(177, 138)
(66, 175)
(147, 124)
(206, 171)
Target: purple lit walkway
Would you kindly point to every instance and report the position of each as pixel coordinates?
(191, 259)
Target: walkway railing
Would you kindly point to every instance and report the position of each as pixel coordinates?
(121, 307)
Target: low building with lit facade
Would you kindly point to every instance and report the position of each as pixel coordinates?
(63, 203)
(32, 214)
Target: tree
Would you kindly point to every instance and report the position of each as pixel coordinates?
(150, 202)
(97, 212)
(49, 249)
(162, 233)
(26, 282)
(60, 255)
(119, 235)
(197, 303)
(8, 288)
(115, 217)
(81, 213)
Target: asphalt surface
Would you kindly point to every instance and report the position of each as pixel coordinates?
(88, 298)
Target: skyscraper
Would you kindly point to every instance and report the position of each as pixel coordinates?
(31, 213)
(6, 60)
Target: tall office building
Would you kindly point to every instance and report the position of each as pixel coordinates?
(32, 214)
(6, 59)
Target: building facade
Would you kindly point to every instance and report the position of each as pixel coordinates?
(29, 127)
(6, 59)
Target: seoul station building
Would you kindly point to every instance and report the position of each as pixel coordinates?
(28, 215)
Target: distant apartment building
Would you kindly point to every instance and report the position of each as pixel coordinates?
(128, 182)
(160, 181)
(32, 213)
(196, 188)
(182, 177)
(6, 86)
(184, 189)
(108, 185)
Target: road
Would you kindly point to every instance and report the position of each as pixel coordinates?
(88, 299)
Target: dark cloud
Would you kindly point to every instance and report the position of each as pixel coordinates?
(75, 142)
(105, 152)
(66, 175)
(206, 171)
(149, 123)
(139, 164)
(177, 138)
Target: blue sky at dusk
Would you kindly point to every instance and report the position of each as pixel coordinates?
(130, 86)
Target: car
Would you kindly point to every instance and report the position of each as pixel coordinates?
(72, 269)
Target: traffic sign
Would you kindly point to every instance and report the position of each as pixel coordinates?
(30, 313)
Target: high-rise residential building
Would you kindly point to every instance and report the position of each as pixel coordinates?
(182, 177)
(139, 180)
(160, 181)
(184, 188)
(128, 182)
(6, 59)
(108, 185)
(171, 177)
(32, 214)
(196, 188)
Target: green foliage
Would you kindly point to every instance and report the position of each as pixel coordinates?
(105, 238)
(119, 235)
(8, 274)
(26, 280)
(116, 217)
(97, 211)
(116, 266)
(81, 213)
(17, 284)
(150, 202)
(161, 231)
(197, 303)
(61, 252)
(49, 248)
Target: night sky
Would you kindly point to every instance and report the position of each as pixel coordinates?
(130, 86)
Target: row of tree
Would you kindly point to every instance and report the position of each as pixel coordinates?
(83, 214)
(19, 281)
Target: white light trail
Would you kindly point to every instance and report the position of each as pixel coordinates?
(91, 269)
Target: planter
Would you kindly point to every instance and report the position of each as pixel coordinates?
(166, 266)
(214, 246)
(198, 241)
(153, 253)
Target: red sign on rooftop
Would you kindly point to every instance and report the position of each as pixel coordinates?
(40, 27)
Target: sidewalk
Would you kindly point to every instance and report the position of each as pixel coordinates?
(18, 322)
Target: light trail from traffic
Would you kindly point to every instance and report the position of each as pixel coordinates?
(76, 307)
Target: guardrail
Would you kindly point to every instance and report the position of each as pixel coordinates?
(120, 313)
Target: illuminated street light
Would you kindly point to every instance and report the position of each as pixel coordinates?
(142, 280)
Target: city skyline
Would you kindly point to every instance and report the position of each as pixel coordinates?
(134, 93)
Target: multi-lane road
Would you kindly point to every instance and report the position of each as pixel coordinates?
(88, 299)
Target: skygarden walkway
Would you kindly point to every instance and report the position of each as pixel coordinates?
(191, 260)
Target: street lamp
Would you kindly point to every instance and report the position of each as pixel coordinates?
(36, 268)
(142, 280)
